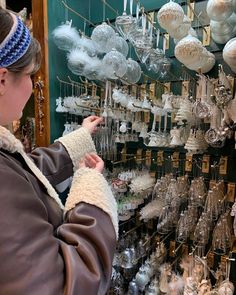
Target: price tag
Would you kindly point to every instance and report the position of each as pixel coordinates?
(153, 174)
(231, 82)
(94, 90)
(143, 91)
(188, 163)
(102, 93)
(134, 90)
(206, 164)
(190, 10)
(146, 117)
(223, 261)
(185, 88)
(230, 192)
(172, 249)
(223, 165)
(211, 259)
(175, 160)
(173, 117)
(167, 87)
(160, 158)
(123, 154)
(166, 39)
(148, 161)
(139, 156)
(206, 36)
(152, 91)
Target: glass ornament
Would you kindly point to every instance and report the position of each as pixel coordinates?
(221, 28)
(188, 50)
(119, 44)
(77, 60)
(182, 30)
(65, 37)
(101, 34)
(170, 15)
(155, 57)
(125, 23)
(219, 10)
(229, 53)
(133, 72)
(114, 64)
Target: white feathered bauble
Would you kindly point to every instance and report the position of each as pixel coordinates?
(80, 63)
(92, 70)
(88, 45)
(77, 61)
(66, 37)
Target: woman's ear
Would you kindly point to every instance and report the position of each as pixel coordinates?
(3, 77)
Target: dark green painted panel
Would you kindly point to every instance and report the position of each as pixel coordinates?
(57, 15)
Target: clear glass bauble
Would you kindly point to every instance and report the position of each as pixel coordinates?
(139, 39)
(153, 62)
(114, 64)
(119, 44)
(101, 34)
(133, 72)
(124, 24)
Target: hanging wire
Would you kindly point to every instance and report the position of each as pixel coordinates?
(104, 11)
(197, 16)
(66, 13)
(109, 6)
(77, 13)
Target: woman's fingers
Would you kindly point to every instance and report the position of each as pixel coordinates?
(92, 161)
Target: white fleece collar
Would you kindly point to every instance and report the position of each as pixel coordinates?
(11, 144)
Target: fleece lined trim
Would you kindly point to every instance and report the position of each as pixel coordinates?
(78, 143)
(96, 192)
(10, 143)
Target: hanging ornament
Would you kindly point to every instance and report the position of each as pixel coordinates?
(101, 34)
(114, 64)
(65, 37)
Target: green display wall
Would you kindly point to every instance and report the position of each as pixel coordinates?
(96, 11)
(58, 14)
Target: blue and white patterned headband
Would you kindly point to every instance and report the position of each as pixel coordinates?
(16, 43)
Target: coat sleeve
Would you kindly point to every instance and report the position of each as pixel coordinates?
(37, 258)
(58, 160)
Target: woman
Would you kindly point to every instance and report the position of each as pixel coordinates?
(46, 248)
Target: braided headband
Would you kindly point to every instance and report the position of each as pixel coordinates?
(16, 43)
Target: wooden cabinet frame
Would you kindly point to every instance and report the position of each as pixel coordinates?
(42, 108)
